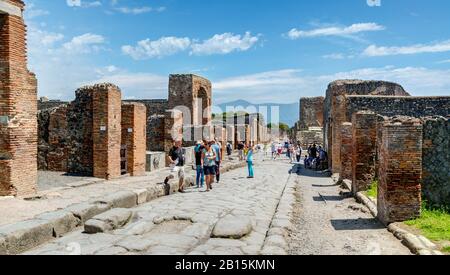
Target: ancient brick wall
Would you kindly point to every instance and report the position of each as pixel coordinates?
(18, 109)
(134, 137)
(395, 106)
(306, 138)
(156, 112)
(399, 189)
(311, 112)
(346, 151)
(50, 104)
(107, 106)
(436, 161)
(194, 93)
(335, 106)
(364, 139)
(53, 145)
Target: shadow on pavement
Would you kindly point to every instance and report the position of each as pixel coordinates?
(356, 224)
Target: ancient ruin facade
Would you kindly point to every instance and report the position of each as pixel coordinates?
(18, 108)
(311, 112)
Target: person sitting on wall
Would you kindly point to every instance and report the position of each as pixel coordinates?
(177, 160)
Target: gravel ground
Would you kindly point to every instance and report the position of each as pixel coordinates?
(327, 223)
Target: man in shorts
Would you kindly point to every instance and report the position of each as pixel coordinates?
(177, 160)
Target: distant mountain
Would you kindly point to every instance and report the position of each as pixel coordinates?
(289, 113)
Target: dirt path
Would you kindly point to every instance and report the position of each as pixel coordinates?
(328, 223)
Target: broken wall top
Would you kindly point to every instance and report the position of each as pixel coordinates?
(365, 87)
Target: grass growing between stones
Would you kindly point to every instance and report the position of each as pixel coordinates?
(435, 225)
(373, 190)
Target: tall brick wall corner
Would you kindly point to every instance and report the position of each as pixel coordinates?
(364, 150)
(107, 130)
(399, 189)
(346, 151)
(134, 137)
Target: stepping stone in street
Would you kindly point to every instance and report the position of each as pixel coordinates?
(232, 227)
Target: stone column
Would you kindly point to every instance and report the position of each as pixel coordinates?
(134, 137)
(173, 129)
(364, 150)
(399, 189)
(107, 106)
(18, 106)
(346, 151)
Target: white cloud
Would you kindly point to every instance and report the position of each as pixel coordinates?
(224, 44)
(139, 10)
(374, 50)
(164, 46)
(85, 43)
(444, 61)
(83, 4)
(32, 12)
(336, 56)
(335, 31)
(374, 3)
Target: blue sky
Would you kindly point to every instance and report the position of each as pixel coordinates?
(257, 50)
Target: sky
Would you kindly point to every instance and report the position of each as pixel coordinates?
(257, 50)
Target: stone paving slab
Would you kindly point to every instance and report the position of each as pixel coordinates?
(69, 208)
(183, 223)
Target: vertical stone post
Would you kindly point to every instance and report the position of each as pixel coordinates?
(107, 112)
(231, 135)
(346, 151)
(364, 150)
(18, 106)
(399, 189)
(134, 137)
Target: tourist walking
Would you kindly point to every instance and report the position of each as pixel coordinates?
(218, 150)
(240, 148)
(209, 165)
(298, 153)
(250, 162)
(200, 179)
(177, 160)
(229, 149)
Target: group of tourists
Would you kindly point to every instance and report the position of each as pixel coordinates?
(208, 160)
(317, 158)
(293, 151)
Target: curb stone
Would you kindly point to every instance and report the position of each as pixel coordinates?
(276, 242)
(417, 244)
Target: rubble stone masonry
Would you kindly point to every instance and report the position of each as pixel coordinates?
(18, 110)
(436, 161)
(399, 190)
(311, 112)
(107, 130)
(364, 150)
(134, 137)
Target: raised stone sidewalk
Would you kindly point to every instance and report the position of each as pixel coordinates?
(25, 224)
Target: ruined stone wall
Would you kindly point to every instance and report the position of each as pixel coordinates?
(50, 104)
(53, 145)
(436, 161)
(335, 109)
(134, 137)
(394, 106)
(80, 123)
(107, 130)
(306, 138)
(399, 189)
(18, 110)
(156, 112)
(364, 139)
(311, 112)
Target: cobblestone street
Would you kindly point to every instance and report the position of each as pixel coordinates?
(239, 217)
(238, 212)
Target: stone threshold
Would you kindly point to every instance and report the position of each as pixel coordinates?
(22, 236)
(417, 244)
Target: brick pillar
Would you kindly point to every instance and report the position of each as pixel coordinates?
(18, 108)
(399, 189)
(364, 150)
(107, 130)
(231, 135)
(173, 129)
(346, 151)
(134, 137)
